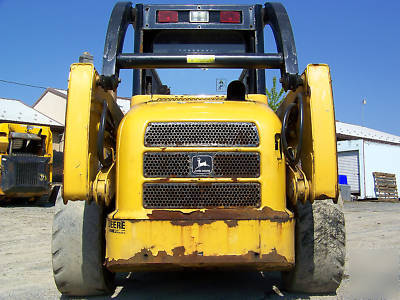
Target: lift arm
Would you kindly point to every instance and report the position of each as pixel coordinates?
(315, 175)
(86, 100)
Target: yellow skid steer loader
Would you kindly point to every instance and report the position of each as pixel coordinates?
(199, 181)
(26, 153)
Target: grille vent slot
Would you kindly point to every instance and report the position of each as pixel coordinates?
(166, 164)
(201, 134)
(27, 173)
(237, 164)
(194, 195)
(179, 164)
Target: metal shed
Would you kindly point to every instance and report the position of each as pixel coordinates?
(363, 151)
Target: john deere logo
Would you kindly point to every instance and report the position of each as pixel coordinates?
(202, 164)
(42, 177)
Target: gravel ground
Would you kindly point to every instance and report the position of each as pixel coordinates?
(372, 263)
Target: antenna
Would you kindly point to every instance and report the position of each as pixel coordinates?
(363, 103)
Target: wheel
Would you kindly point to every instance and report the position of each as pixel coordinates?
(78, 249)
(319, 249)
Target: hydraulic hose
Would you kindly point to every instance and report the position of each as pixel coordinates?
(293, 158)
(106, 162)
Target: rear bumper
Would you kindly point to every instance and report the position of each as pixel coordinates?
(24, 175)
(144, 245)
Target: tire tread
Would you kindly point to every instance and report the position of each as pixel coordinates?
(78, 249)
(320, 248)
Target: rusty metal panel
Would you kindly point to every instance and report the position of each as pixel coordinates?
(162, 244)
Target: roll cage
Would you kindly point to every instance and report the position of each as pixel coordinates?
(253, 62)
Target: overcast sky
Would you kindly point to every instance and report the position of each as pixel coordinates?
(358, 39)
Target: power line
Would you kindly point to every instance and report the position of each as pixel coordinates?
(24, 84)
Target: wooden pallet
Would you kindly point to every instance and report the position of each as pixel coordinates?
(385, 186)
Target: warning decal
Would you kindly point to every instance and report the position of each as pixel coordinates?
(202, 59)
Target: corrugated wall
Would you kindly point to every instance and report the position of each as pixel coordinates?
(383, 158)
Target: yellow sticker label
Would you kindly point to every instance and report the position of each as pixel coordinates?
(203, 59)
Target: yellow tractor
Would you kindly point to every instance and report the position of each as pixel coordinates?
(199, 181)
(26, 153)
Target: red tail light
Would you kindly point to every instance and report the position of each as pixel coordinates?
(167, 16)
(230, 17)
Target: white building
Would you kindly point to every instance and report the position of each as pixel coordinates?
(53, 102)
(15, 111)
(363, 151)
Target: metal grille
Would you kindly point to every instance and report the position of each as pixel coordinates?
(24, 173)
(236, 164)
(163, 164)
(201, 134)
(179, 164)
(188, 99)
(205, 195)
(27, 173)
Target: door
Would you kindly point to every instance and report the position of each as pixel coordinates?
(348, 164)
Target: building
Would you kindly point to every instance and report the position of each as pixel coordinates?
(15, 111)
(52, 103)
(363, 151)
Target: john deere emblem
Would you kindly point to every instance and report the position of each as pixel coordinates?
(42, 177)
(202, 164)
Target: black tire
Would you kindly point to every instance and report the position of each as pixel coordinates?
(78, 249)
(319, 249)
(53, 194)
(42, 200)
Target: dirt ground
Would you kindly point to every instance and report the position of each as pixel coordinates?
(372, 263)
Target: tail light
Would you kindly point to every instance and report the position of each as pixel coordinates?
(167, 16)
(230, 17)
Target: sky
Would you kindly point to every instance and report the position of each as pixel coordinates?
(360, 40)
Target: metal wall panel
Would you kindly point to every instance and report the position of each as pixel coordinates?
(380, 157)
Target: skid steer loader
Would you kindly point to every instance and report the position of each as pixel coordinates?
(26, 153)
(195, 181)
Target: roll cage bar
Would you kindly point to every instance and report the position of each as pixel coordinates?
(272, 14)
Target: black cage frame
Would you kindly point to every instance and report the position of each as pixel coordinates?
(253, 64)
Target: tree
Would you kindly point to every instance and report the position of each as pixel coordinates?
(274, 97)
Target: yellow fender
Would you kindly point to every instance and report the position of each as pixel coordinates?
(84, 107)
(318, 158)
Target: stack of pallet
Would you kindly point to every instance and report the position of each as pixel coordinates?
(385, 187)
